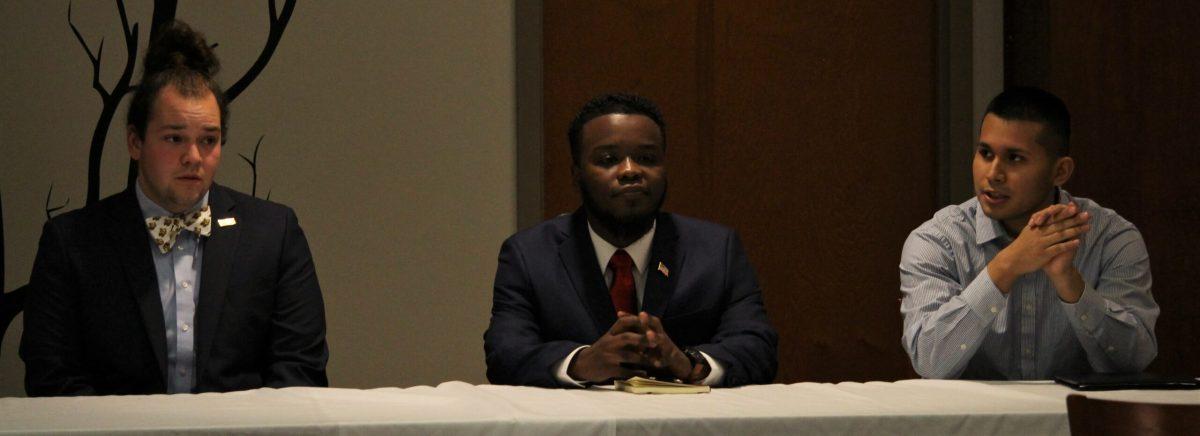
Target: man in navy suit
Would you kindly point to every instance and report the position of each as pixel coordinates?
(620, 289)
(177, 284)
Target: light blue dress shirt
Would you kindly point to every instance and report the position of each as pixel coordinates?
(179, 290)
(957, 323)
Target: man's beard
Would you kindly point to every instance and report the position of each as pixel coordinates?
(633, 226)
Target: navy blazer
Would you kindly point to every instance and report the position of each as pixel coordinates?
(550, 298)
(94, 322)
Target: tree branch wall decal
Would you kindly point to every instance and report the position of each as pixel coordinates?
(110, 99)
(253, 167)
(50, 210)
(278, 25)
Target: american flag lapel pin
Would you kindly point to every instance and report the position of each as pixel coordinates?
(663, 269)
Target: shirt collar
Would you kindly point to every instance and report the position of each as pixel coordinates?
(639, 250)
(151, 209)
(988, 229)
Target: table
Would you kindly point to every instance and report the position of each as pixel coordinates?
(903, 407)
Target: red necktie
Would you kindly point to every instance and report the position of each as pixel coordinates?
(623, 291)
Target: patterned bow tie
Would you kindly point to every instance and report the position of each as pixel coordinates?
(164, 229)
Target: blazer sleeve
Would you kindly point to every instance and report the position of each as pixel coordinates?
(744, 343)
(513, 344)
(298, 352)
(50, 343)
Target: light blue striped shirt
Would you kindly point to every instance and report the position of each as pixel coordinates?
(957, 324)
(179, 289)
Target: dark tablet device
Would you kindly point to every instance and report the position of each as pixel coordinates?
(1141, 380)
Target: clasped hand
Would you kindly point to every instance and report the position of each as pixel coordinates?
(1049, 243)
(632, 346)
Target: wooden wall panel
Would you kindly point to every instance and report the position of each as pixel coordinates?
(644, 47)
(808, 126)
(1130, 75)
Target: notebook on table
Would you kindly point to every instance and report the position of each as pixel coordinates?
(639, 385)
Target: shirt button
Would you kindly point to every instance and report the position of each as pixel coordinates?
(994, 309)
(1110, 348)
(1029, 307)
(1083, 317)
(183, 372)
(186, 327)
(1028, 351)
(186, 284)
(962, 346)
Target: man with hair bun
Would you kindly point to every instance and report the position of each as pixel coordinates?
(178, 284)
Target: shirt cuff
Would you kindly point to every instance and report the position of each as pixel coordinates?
(561, 372)
(1088, 311)
(716, 372)
(984, 297)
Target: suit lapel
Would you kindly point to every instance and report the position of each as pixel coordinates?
(660, 281)
(219, 251)
(127, 232)
(579, 259)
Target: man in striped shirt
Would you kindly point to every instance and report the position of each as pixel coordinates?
(1024, 281)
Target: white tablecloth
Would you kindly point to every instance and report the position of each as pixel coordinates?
(904, 407)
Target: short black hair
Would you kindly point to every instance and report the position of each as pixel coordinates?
(608, 104)
(1027, 103)
(177, 56)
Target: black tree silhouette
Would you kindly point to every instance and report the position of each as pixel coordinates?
(253, 162)
(51, 210)
(110, 99)
(278, 23)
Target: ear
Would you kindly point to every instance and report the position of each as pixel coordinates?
(1064, 167)
(576, 173)
(134, 142)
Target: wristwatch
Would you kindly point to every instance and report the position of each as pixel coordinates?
(700, 366)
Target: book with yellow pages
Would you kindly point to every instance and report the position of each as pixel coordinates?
(639, 385)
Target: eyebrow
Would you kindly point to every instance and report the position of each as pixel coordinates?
(209, 128)
(1010, 150)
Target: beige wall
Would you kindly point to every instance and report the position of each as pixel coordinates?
(389, 127)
